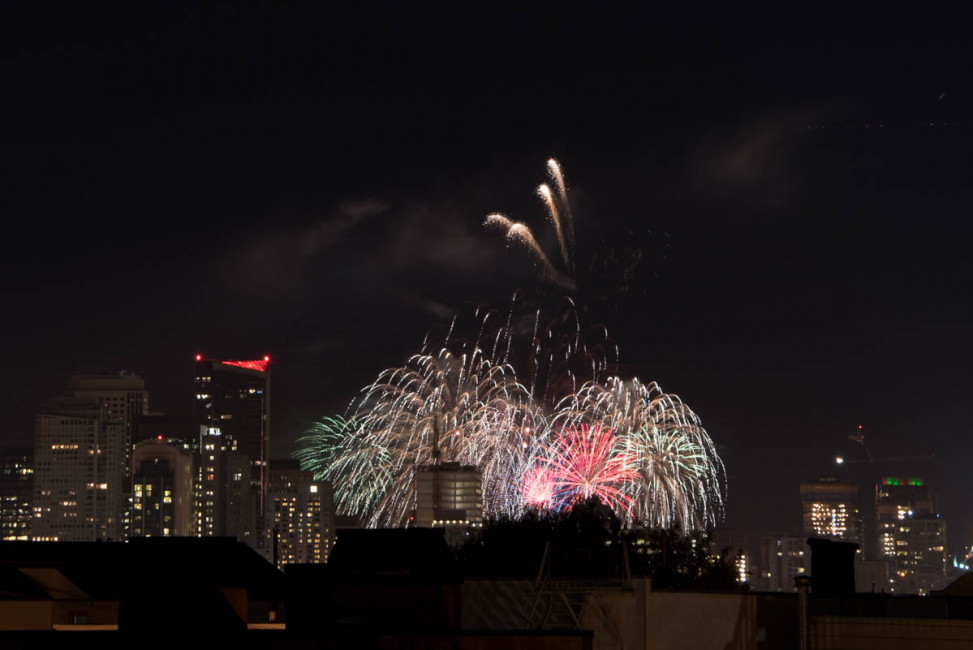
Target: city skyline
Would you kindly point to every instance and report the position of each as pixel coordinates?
(800, 206)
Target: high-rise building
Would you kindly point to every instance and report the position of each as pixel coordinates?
(832, 510)
(896, 500)
(125, 399)
(233, 399)
(912, 536)
(80, 456)
(920, 556)
(449, 495)
(162, 488)
(300, 515)
(224, 495)
(16, 492)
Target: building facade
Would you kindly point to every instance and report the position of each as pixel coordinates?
(79, 472)
(16, 493)
(831, 510)
(162, 488)
(300, 515)
(450, 496)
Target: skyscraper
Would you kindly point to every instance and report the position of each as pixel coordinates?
(912, 537)
(233, 404)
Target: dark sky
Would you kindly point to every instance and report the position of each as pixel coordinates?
(310, 183)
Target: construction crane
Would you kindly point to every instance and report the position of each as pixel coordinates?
(859, 438)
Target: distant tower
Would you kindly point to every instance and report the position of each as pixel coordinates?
(162, 487)
(16, 492)
(832, 510)
(300, 515)
(233, 403)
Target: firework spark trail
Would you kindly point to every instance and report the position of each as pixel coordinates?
(584, 462)
(517, 232)
(554, 169)
(545, 193)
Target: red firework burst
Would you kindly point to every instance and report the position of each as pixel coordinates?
(538, 488)
(584, 462)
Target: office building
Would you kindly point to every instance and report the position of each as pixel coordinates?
(912, 537)
(224, 495)
(896, 500)
(125, 399)
(832, 510)
(300, 515)
(79, 471)
(920, 555)
(162, 488)
(16, 491)
(233, 399)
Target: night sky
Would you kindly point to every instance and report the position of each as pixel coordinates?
(311, 182)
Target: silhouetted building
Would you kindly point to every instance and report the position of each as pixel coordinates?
(832, 567)
(178, 589)
(300, 515)
(832, 510)
(378, 581)
(162, 488)
(16, 492)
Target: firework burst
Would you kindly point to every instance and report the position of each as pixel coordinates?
(583, 462)
(536, 404)
(681, 475)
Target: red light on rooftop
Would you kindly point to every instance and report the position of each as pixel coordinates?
(258, 364)
(267, 358)
(199, 357)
